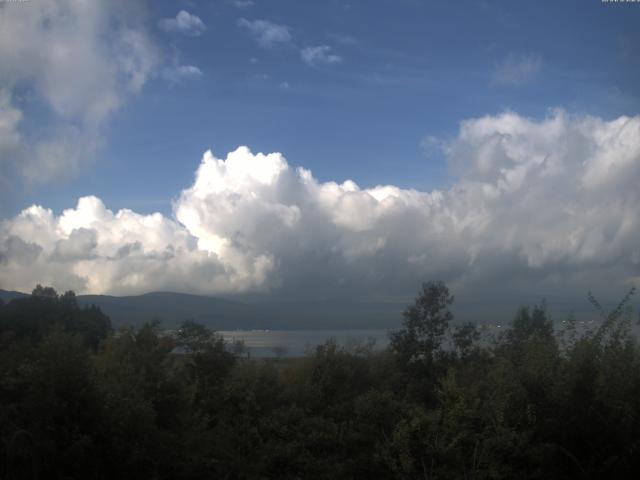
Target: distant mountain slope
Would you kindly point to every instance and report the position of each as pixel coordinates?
(7, 296)
(222, 314)
(173, 308)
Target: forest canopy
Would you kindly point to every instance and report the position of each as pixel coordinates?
(444, 400)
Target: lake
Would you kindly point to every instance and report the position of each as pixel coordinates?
(294, 343)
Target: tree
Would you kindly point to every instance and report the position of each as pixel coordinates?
(193, 337)
(34, 316)
(465, 337)
(44, 292)
(425, 324)
(207, 359)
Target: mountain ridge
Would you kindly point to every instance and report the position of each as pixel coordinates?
(171, 308)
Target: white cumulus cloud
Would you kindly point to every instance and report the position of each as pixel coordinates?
(545, 205)
(92, 249)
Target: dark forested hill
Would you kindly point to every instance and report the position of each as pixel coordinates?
(223, 314)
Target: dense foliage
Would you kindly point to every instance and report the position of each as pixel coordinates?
(78, 401)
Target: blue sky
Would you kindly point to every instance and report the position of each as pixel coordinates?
(493, 144)
(409, 69)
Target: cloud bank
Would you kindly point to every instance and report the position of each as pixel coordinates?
(549, 204)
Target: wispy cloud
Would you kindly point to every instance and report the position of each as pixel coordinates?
(86, 76)
(266, 33)
(244, 3)
(177, 73)
(517, 69)
(319, 55)
(185, 23)
(272, 35)
(344, 39)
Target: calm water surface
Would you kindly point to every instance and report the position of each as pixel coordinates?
(295, 343)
